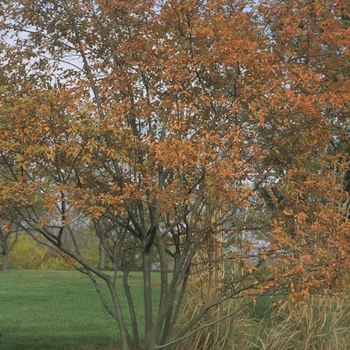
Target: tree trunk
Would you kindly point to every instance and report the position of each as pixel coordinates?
(4, 264)
(147, 296)
(4, 247)
(102, 258)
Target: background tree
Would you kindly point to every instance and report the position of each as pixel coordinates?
(6, 244)
(168, 123)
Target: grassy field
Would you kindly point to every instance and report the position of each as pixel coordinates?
(60, 310)
(44, 310)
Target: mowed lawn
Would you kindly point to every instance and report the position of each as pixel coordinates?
(44, 310)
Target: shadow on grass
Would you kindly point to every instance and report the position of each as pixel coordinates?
(60, 341)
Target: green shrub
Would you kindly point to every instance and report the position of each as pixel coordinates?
(29, 254)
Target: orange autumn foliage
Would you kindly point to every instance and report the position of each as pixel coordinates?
(176, 123)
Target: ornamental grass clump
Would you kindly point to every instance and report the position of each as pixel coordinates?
(321, 324)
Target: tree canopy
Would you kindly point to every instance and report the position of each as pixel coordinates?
(181, 128)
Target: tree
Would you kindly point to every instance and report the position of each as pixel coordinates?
(5, 245)
(9, 228)
(169, 123)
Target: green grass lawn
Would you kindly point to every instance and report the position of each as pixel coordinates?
(44, 310)
(60, 310)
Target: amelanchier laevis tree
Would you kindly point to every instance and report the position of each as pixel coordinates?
(181, 128)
